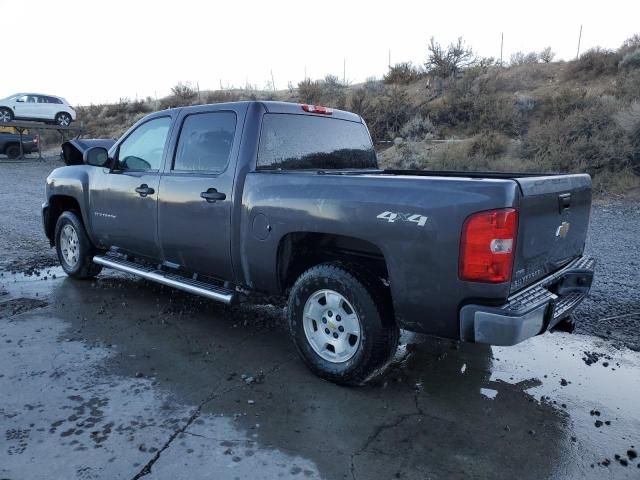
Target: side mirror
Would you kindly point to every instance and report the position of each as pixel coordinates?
(96, 156)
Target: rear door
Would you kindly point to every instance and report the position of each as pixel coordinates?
(196, 191)
(553, 222)
(49, 106)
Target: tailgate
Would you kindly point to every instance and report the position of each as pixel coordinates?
(553, 222)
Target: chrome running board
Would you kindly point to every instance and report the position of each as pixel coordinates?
(169, 279)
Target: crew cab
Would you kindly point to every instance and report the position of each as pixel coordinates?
(237, 199)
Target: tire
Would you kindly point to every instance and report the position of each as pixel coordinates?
(63, 119)
(12, 151)
(352, 357)
(74, 249)
(6, 115)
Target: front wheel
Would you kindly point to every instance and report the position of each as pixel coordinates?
(74, 248)
(341, 323)
(63, 119)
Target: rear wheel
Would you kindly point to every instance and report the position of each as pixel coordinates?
(341, 323)
(6, 115)
(63, 119)
(12, 151)
(74, 248)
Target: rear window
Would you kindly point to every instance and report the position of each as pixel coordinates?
(293, 142)
(52, 100)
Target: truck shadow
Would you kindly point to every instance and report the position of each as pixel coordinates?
(436, 412)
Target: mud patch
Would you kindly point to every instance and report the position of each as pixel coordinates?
(33, 265)
(15, 306)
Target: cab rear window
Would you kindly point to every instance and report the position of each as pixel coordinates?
(296, 142)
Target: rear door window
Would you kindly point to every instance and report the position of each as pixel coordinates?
(293, 142)
(205, 142)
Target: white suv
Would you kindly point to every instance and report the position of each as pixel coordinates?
(35, 106)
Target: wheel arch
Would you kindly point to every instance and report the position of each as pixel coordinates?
(8, 145)
(58, 204)
(299, 251)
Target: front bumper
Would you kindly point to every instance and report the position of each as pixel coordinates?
(531, 311)
(46, 223)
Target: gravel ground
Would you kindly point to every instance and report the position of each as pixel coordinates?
(612, 311)
(613, 308)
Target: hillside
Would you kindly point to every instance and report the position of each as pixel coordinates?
(578, 116)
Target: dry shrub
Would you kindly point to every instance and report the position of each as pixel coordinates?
(627, 85)
(384, 109)
(521, 58)
(473, 113)
(593, 63)
(403, 74)
(184, 93)
(454, 155)
(418, 128)
(623, 182)
(222, 96)
(583, 139)
(631, 60)
(517, 78)
(490, 145)
(329, 92)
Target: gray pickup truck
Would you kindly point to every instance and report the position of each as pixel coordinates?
(10, 144)
(236, 199)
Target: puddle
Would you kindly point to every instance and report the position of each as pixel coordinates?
(16, 306)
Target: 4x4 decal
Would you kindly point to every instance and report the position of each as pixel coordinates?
(392, 217)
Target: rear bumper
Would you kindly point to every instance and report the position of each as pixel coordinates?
(531, 311)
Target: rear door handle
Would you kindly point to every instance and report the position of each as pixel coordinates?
(212, 195)
(144, 190)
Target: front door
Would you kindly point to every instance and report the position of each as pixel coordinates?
(26, 106)
(125, 200)
(195, 203)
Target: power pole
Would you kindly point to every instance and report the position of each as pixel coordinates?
(501, 46)
(273, 82)
(305, 72)
(389, 59)
(344, 71)
(579, 39)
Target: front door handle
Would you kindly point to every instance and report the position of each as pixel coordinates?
(211, 195)
(144, 190)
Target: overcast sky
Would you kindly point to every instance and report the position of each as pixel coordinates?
(98, 51)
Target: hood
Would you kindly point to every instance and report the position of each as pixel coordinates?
(73, 150)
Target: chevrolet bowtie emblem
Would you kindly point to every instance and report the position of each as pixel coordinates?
(563, 230)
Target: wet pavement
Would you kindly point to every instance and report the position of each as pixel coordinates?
(122, 379)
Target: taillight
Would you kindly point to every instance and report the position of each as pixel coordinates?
(317, 109)
(36, 139)
(488, 245)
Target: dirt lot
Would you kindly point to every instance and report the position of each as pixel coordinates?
(119, 378)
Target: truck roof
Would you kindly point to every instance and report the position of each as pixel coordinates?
(291, 108)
